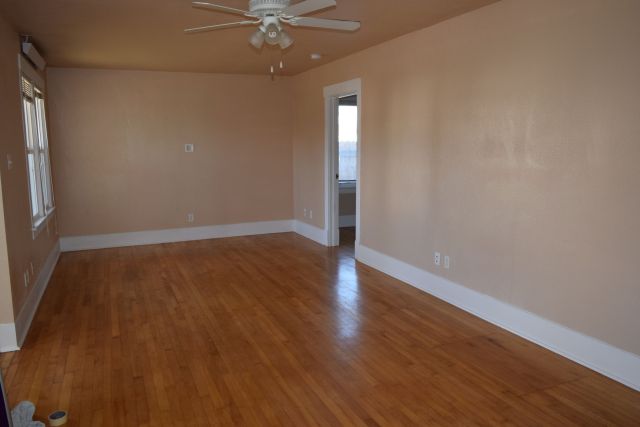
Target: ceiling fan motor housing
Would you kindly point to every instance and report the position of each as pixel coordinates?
(267, 7)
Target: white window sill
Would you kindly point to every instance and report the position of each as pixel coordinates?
(347, 187)
(41, 224)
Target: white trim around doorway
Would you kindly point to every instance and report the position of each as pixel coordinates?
(331, 216)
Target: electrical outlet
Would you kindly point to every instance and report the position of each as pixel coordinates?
(190, 218)
(447, 262)
(189, 148)
(436, 258)
(305, 212)
(310, 213)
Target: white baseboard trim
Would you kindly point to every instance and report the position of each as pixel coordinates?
(8, 339)
(617, 364)
(138, 238)
(347, 221)
(28, 311)
(318, 235)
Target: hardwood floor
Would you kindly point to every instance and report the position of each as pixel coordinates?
(348, 238)
(276, 330)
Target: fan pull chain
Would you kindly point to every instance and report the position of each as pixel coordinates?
(280, 66)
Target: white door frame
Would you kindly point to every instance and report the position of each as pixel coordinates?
(331, 189)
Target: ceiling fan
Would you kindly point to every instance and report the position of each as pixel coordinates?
(270, 15)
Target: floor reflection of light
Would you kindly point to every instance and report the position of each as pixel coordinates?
(347, 293)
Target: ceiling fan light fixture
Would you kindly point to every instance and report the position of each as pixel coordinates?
(272, 34)
(285, 40)
(257, 39)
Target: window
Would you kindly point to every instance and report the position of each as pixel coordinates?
(348, 142)
(37, 151)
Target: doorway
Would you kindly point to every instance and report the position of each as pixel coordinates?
(347, 168)
(342, 163)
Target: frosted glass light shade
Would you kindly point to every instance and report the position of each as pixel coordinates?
(272, 34)
(257, 39)
(285, 40)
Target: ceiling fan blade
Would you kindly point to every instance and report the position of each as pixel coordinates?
(307, 6)
(329, 24)
(219, 8)
(220, 26)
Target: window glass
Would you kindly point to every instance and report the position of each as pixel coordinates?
(37, 150)
(31, 161)
(348, 141)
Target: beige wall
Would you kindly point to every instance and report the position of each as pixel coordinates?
(513, 134)
(7, 36)
(6, 305)
(119, 160)
(21, 248)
